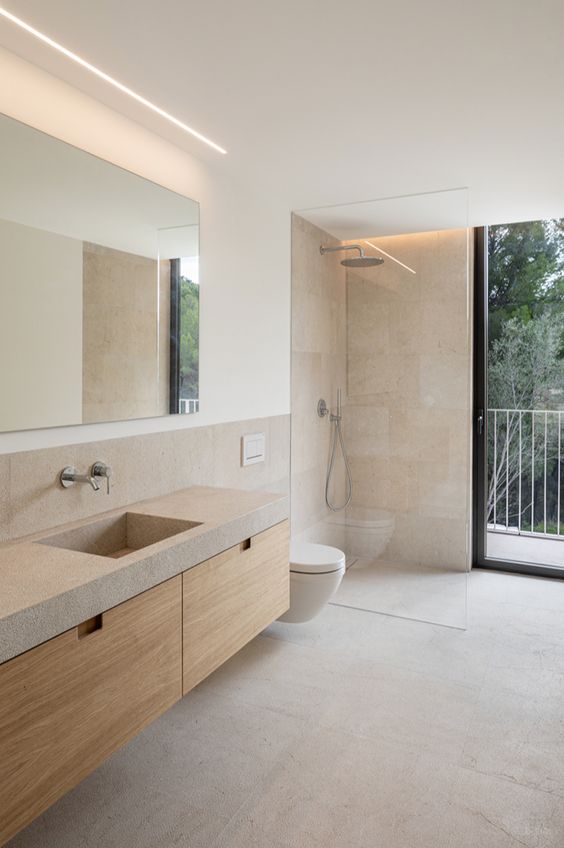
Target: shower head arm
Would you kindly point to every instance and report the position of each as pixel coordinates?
(340, 247)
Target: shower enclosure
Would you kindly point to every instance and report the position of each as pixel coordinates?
(395, 332)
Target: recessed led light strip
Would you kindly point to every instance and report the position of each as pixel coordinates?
(407, 268)
(107, 78)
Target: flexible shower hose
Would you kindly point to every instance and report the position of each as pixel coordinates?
(337, 433)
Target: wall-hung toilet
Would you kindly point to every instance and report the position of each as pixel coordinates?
(316, 572)
(367, 532)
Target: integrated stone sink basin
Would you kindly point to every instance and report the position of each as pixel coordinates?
(119, 535)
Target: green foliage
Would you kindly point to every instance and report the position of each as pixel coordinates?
(551, 527)
(526, 314)
(526, 272)
(189, 338)
(525, 364)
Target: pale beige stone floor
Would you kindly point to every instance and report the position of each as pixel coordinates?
(356, 730)
(434, 595)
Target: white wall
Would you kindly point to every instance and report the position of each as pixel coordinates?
(41, 327)
(245, 258)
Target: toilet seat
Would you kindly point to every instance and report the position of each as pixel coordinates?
(316, 572)
(311, 558)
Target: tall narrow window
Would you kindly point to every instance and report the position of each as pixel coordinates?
(184, 336)
(520, 396)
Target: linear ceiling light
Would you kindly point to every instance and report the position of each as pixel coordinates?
(107, 78)
(407, 268)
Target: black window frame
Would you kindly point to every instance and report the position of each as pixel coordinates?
(174, 369)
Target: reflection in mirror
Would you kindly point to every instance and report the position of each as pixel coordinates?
(99, 289)
(179, 277)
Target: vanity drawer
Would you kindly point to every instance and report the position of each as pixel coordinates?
(229, 599)
(68, 704)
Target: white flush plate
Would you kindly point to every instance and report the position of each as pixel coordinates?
(253, 447)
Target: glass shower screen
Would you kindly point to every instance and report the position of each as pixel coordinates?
(407, 409)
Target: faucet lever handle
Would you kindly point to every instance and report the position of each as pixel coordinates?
(100, 469)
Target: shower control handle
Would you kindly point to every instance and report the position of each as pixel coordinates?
(322, 408)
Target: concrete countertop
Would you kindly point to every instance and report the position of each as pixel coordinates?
(46, 590)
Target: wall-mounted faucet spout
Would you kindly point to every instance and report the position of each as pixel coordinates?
(69, 476)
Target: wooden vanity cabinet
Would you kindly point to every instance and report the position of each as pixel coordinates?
(66, 705)
(229, 599)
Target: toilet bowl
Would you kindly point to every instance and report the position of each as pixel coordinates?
(316, 572)
(367, 531)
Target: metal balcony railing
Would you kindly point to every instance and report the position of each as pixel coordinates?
(188, 405)
(525, 471)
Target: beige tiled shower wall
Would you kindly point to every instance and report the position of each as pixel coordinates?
(318, 369)
(409, 394)
(147, 466)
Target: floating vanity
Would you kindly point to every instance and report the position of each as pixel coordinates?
(107, 622)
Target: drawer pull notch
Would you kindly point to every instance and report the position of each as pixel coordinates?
(91, 625)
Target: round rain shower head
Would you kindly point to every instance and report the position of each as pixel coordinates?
(362, 262)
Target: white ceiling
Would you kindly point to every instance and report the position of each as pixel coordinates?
(324, 103)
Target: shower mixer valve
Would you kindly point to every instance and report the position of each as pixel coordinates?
(322, 409)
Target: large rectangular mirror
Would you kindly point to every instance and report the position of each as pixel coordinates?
(99, 289)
